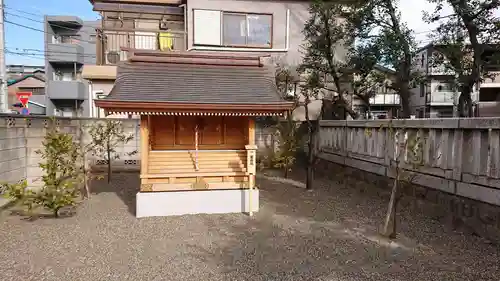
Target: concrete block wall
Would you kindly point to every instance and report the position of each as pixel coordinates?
(126, 161)
(21, 137)
(12, 151)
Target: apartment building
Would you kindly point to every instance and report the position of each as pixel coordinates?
(70, 43)
(265, 27)
(384, 102)
(437, 97)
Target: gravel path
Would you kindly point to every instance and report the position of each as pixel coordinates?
(326, 234)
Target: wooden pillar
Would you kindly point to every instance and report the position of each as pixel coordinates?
(251, 153)
(144, 147)
(251, 131)
(251, 161)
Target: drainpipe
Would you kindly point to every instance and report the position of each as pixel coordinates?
(185, 24)
(91, 100)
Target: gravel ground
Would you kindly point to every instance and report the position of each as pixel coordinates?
(326, 234)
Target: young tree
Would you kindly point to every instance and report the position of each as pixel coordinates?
(62, 175)
(62, 171)
(378, 28)
(310, 91)
(288, 132)
(467, 39)
(106, 137)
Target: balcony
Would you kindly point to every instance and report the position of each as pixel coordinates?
(66, 90)
(442, 98)
(112, 42)
(65, 52)
(385, 99)
(67, 21)
(440, 70)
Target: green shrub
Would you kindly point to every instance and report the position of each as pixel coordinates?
(62, 176)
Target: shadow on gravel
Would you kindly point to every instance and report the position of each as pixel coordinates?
(331, 234)
(124, 184)
(289, 240)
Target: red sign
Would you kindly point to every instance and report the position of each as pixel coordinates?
(23, 97)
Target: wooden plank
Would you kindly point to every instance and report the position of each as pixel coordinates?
(251, 131)
(194, 174)
(180, 172)
(206, 164)
(144, 144)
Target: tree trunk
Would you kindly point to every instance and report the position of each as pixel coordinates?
(310, 161)
(109, 163)
(391, 210)
(405, 102)
(310, 155)
(56, 212)
(465, 104)
(86, 175)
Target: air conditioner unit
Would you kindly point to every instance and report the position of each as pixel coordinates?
(112, 57)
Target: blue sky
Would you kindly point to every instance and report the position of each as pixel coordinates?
(18, 38)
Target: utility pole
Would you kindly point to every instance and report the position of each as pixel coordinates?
(4, 107)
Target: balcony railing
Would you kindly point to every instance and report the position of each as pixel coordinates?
(111, 43)
(66, 39)
(442, 98)
(385, 99)
(440, 70)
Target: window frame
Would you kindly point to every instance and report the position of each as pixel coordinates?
(221, 30)
(246, 45)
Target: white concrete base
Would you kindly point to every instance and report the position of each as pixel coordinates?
(153, 204)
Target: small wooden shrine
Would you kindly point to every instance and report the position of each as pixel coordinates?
(197, 110)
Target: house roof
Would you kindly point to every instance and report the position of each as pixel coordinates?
(15, 81)
(194, 81)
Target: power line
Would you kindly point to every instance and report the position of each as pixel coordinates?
(52, 24)
(24, 55)
(48, 52)
(37, 14)
(39, 30)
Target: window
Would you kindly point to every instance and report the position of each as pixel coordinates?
(63, 76)
(422, 60)
(444, 87)
(67, 76)
(229, 29)
(422, 89)
(98, 112)
(66, 39)
(248, 30)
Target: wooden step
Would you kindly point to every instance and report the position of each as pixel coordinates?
(200, 160)
(191, 163)
(193, 174)
(200, 156)
(192, 170)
